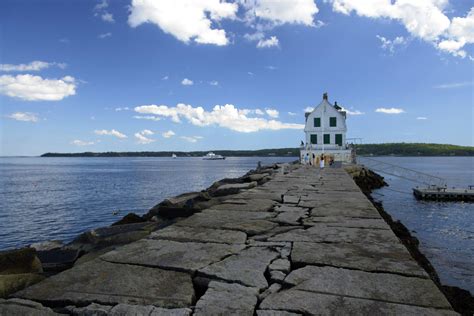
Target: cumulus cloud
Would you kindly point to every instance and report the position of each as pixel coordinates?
(259, 112)
(142, 137)
(78, 142)
(227, 116)
(187, 82)
(147, 117)
(36, 65)
(352, 112)
(112, 132)
(390, 110)
(24, 117)
(269, 42)
(100, 9)
(281, 12)
(454, 85)
(107, 17)
(308, 109)
(35, 88)
(168, 134)
(186, 20)
(292, 113)
(104, 35)
(424, 19)
(191, 139)
(272, 113)
(391, 45)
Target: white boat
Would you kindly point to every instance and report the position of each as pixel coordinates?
(174, 156)
(213, 156)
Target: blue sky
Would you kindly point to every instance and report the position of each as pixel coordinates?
(206, 74)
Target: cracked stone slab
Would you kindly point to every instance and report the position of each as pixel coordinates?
(247, 267)
(108, 283)
(17, 306)
(290, 218)
(343, 221)
(168, 254)
(280, 265)
(227, 299)
(261, 312)
(252, 205)
(291, 199)
(126, 310)
(310, 303)
(376, 286)
(199, 234)
(289, 208)
(340, 209)
(335, 234)
(252, 223)
(392, 258)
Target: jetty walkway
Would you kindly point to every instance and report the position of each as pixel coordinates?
(307, 242)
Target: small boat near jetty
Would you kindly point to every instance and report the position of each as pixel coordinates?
(174, 156)
(213, 156)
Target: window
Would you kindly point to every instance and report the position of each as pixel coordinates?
(332, 122)
(317, 122)
(314, 139)
(327, 138)
(339, 139)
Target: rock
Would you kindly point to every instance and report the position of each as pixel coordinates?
(11, 283)
(24, 307)
(199, 234)
(275, 287)
(251, 223)
(180, 206)
(168, 254)
(309, 303)
(107, 283)
(375, 286)
(247, 267)
(158, 311)
(291, 199)
(277, 276)
(126, 310)
(290, 218)
(289, 208)
(89, 310)
(22, 260)
(275, 313)
(233, 188)
(342, 221)
(130, 218)
(280, 265)
(252, 205)
(368, 257)
(47, 245)
(56, 260)
(257, 176)
(227, 299)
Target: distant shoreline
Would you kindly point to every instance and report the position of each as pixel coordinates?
(388, 149)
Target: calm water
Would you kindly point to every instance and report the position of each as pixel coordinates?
(59, 198)
(445, 229)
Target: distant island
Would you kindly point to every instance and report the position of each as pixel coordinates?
(388, 149)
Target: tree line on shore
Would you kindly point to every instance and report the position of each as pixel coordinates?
(386, 149)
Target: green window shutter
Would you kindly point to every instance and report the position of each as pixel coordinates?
(314, 139)
(339, 139)
(327, 138)
(317, 122)
(332, 121)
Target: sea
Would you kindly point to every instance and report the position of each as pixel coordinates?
(58, 198)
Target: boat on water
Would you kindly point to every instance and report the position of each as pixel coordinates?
(174, 156)
(213, 156)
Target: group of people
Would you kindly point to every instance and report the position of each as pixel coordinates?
(308, 160)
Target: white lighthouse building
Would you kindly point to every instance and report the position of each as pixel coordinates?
(325, 131)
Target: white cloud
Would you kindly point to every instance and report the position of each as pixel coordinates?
(454, 85)
(272, 113)
(36, 65)
(282, 11)
(165, 78)
(78, 142)
(147, 117)
(24, 116)
(227, 116)
(308, 109)
(101, 5)
(269, 42)
(422, 118)
(168, 134)
(107, 17)
(391, 45)
(352, 112)
(112, 132)
(35, 88)
(424, 19)
(214, 83)
(187, 82)
(250, 73)
(390, 110)
(292, 113)
(191, 139)
(187, 20)
(122, 109)
(259, 112)
(104, 35)
(271, 67)
(142, 137)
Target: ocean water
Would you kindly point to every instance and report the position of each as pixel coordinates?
(445, 229)
(58, 198)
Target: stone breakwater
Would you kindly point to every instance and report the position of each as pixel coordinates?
(290, 240)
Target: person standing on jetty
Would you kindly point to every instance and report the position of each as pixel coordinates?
(321, 162)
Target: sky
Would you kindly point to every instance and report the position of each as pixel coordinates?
(183, 75)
